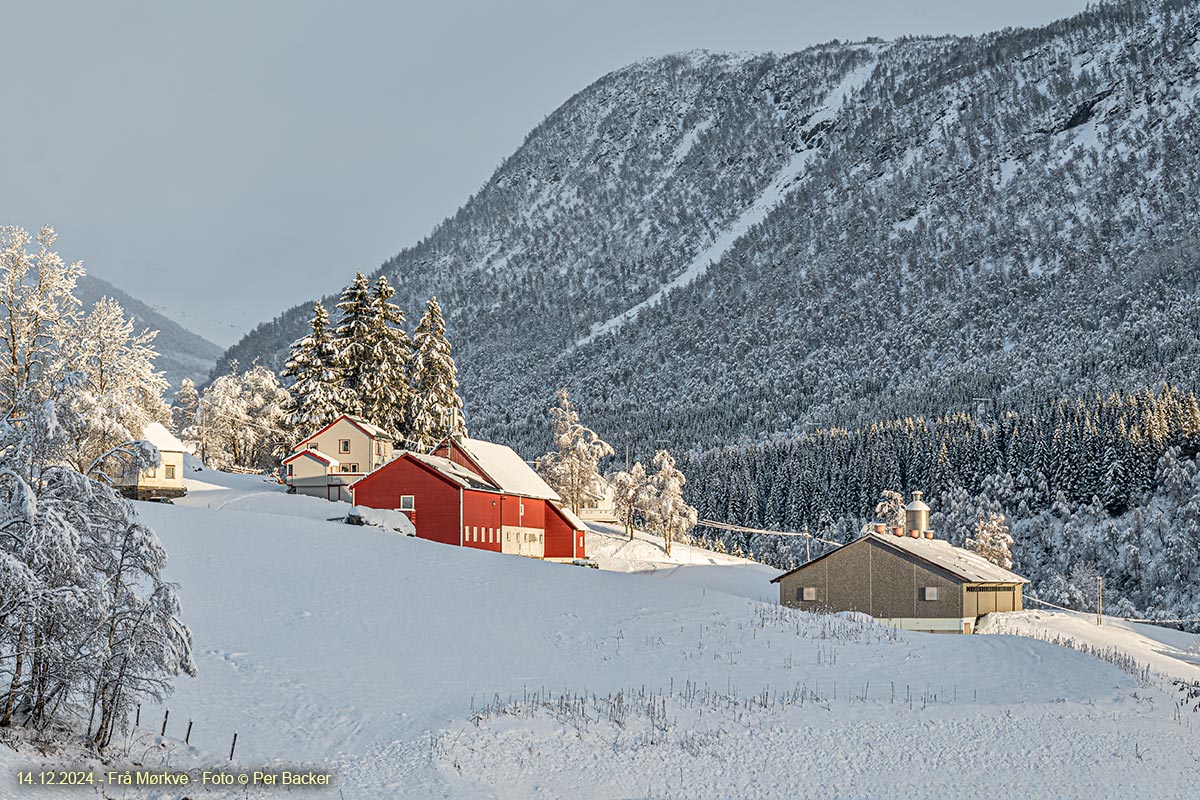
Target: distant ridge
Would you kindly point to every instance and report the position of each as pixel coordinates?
(182, 354)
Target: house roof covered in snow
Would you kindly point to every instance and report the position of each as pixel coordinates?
(313, 452)
(371, 430)
(506, 469)
(571, 518)
(455, 472)
(966, 565)
(157, 434)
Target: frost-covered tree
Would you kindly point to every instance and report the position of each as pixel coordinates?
(184, 403)
(992, 540)
(243, 421)
(572, 468)
(436, 409)
(670, 515)
(890, 509)
(37, 308)
(317, 394)
(386, 394)
(121, 392)
(632, 492)
(352, 340)
(85, 616)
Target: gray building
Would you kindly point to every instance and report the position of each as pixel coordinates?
(905, 577)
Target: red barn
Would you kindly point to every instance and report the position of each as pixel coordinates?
(476, 494)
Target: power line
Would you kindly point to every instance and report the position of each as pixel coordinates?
(725, 526)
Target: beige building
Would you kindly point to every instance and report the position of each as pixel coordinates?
(328, 461)
(905, 577)
(164, 481)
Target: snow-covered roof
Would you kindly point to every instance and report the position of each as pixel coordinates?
(373, 430)
(455, 472)
(315, 453)
(507, 469)
(968, 566)
(157, 434)
(571, 518)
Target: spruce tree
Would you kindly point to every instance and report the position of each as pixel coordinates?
(352, 341)
(436, 409)
(317, 396)
(386, 393)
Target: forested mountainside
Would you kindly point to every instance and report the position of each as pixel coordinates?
(181, 353)
(852, 232)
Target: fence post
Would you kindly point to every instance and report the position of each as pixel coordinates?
(232, 746)
(188, 736)
(1099, 599)
(166, 714)
(137, 720)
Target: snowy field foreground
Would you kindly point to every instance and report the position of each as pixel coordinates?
(412, 669)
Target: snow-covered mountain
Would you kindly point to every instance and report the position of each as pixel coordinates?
(181, 353)
(709, 247)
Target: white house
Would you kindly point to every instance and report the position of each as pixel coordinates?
(328, 461)
(165, 480)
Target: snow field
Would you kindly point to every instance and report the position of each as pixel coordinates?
(412, 669)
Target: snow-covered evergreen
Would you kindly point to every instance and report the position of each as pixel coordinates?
(352, 340)
(436, 409)
(317, 393)
(386, 393)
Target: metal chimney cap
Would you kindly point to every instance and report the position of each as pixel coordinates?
(917, 504)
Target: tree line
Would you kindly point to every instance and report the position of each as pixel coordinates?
(1105, 485)
(365, 364)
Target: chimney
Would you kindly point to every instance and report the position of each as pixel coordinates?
(880, 528)
(898, 531)
(917, 516)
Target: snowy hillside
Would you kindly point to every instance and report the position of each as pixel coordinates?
(709, 247)
(414, 669)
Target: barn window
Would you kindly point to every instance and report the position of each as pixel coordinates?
(170, 468)
(929, 593)
(807, 594)
(407, 502)
(343, 445)
(289, 470)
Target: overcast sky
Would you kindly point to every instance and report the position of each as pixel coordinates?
(224, 161)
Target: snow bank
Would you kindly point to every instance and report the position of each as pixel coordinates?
(382, 518)
(1168, 652)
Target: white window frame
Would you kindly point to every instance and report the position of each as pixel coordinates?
(929, 593)
(343, 446)
(808, 594)
(408, 502)
(169, 472)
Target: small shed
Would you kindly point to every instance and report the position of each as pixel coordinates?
(907, 578)
(165, 480)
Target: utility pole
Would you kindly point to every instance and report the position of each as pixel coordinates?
(1099, 599)
(807, 546)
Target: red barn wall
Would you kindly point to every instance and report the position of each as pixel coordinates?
(435, 501)
(562, 540)
(481, 519)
